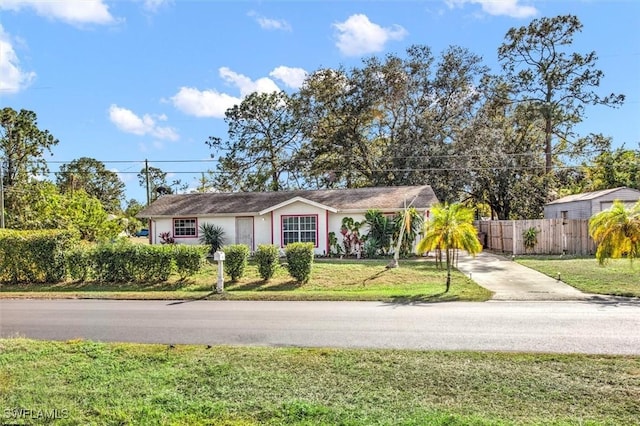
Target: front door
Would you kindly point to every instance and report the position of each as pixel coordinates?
(244, 231)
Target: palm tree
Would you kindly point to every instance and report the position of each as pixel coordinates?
(616, 231)
(450, 228)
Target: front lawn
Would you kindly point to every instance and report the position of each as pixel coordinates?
(83, 382)
(414, 281)
(619, 277)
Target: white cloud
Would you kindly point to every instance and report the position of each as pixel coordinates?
(292, 77)
(12, 77)
(74, 12)
(358, 35)
(269, 23)
(203, 103)
(511, 8)
(246, 85)
(154, 5)
(211, 103)
(128, 122)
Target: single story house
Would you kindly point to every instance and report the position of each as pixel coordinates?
(280, 217)
(585, 205)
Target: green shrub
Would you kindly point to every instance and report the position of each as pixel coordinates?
(34, 256)
(300, 260)
(189, 259)
(80, 262)
(235, 263)
(123, 262)
(267, 259)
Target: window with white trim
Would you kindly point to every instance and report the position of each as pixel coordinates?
(185, 227)
(302, 229)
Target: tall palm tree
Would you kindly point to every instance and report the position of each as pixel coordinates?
(450, 228)
(616, 231)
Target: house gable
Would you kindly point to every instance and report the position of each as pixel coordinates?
(296, 200)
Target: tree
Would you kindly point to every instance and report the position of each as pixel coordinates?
(132, 208)
(263, 137)
(502, 157)
(44, 207)
(450, 228)
(555, 84)
(612, 169)
(93, 177)
(22, 145)
(616, 231)
(157, 184)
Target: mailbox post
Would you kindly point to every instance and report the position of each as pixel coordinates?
(219, 257)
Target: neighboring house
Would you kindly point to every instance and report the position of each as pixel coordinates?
(278, 218)
(585, 205)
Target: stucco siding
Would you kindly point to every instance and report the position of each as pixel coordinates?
(301, 209)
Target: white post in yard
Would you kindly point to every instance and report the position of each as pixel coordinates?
(219, 257)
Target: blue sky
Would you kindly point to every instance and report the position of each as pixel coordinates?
(124, 81)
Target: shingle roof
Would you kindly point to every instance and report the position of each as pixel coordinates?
(391, 198)
(585, 196)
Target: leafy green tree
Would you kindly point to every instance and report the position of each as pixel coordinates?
(612, 169)
(450, 228)
(22, 145)
(616, 231)
(46, 208)
(95, 179)
(502, 165)
(133, 224)
(554, 83)
(263, 137)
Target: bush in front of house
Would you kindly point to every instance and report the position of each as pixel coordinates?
(300, 260)
(125, 262)
(267, 259)
(236, 259)
(189, 259)
(80, 262)
(34, 256)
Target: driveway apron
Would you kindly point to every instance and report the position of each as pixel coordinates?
(509, 280)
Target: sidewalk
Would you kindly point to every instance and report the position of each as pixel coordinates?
(509, 280)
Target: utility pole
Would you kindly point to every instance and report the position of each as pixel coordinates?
(146, 174)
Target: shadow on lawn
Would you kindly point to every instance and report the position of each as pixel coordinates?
(265, 286)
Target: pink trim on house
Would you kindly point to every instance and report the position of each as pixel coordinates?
(296, 215)
(184, 236)
(326, 232)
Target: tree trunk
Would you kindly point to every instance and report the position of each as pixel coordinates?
(448, 270)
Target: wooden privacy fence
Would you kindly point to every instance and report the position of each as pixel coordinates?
(554, 236)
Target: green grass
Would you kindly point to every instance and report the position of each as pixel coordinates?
(97, 383)
(618, 277)
(414, 281)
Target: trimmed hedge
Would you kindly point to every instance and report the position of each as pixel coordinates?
(189, 259)
(300, 260)
(34, 256)
(267, 257)
(236, 259)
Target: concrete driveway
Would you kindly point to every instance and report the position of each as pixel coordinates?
(511, 281)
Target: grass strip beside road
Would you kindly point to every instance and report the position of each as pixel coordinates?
(97, 383)
(414, 281)
(618, 277)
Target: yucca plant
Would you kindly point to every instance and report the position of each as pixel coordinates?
(212, 236)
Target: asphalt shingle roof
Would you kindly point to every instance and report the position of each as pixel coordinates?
(252, 202)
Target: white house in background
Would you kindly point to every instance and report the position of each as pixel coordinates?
(278, 218)
(585, 205)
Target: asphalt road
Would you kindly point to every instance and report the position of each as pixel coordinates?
(604, 327)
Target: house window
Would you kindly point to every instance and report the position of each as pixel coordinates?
(564, 215)
(303, 229)
(185, 227)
